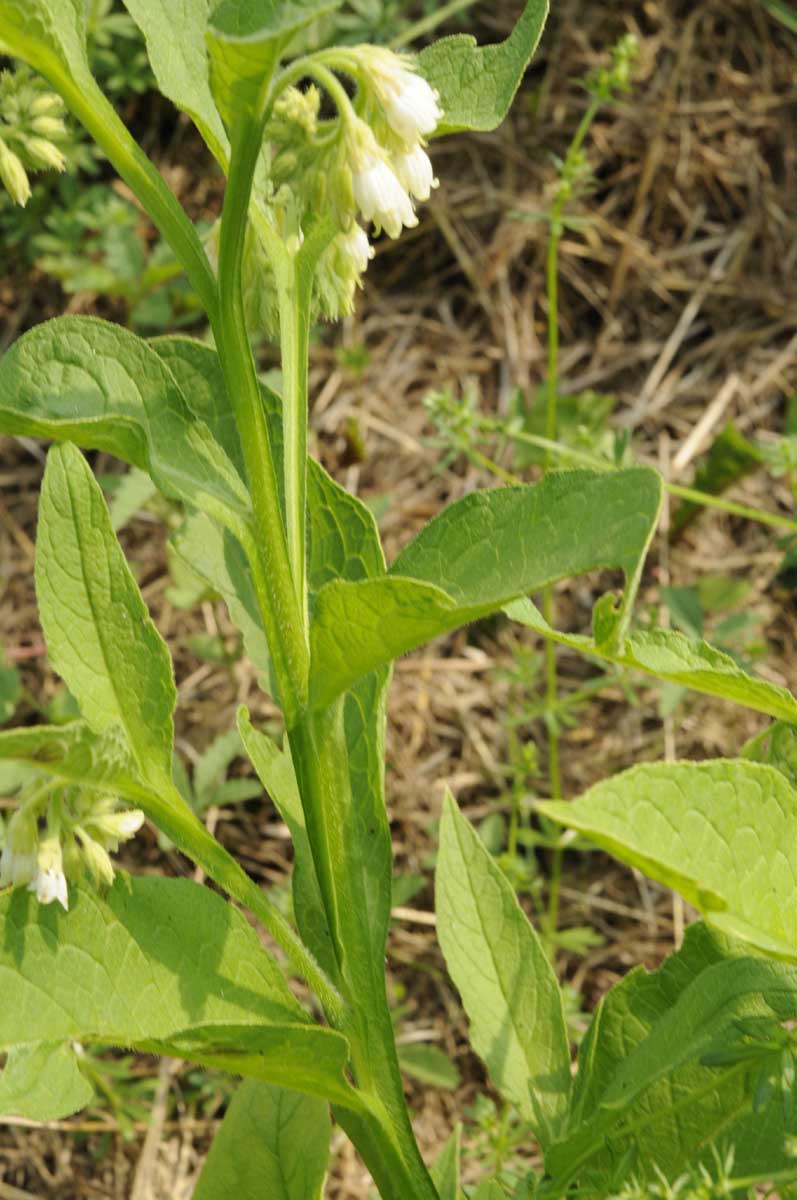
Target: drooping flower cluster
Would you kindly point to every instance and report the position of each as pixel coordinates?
(33, 135)
(61, 835)
(368, 163)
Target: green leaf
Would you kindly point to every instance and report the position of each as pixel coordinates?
(74, 754)
(445, 1171)
(675, 658)
(135, 490)
(271, 1143)
(428, 1064)
(477, 556)
(198, 374)
(216, 557)
(275, 770)
(246, 40)
(478, 84)
(43, 1083)
(92, 383)
(175, 37)
(47, 34)
(489, 1190)
(722, 833)
(503, 975)
(99, 635)
(641, 1082)
(307, 1058)
(159, 962)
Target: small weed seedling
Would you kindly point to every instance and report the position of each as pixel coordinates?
(684, 1083)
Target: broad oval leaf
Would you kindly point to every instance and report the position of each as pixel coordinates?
(272, 1143)
(92, 383)
(503, 975)
(99, 634)
(477, 84)
(640, 1065)
(723, 833)
(477, 556)
(162, 965)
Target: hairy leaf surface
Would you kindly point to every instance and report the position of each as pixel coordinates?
(92, 383)
(159, 962)
(477, 556)
(175, 37)
(641, 1081)
(503, 975)
(99, 634)
(271, 1143)
(245, 41)
(47, 34)
(723, 833)
(43, 1083)
(477, 84)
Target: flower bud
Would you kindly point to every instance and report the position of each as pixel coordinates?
(97, 859)
(45, 105)
(48, 127)
(44, 153)
(14, 176)
(49, 882)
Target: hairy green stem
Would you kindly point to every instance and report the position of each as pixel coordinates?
(318, 748)
(294, 288)
(282, 615)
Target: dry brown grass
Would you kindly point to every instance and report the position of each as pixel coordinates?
(681, 299)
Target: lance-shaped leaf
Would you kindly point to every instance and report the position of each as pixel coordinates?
(43, 1082)
(669, 655)
(503, 975)
(645, 1082)
(158, 962)
(175, 38)
(99, 634)
(271, 1143)
(445, 1171)
(92, 383)
(478, 555)
(478, 84)
(246, 39)
(723, 833)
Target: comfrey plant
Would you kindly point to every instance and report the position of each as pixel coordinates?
(684, 1083)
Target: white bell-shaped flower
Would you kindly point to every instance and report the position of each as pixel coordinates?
(354, 245)
(49, 882)
(377, 191)
(408, 101)
(414, 171)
